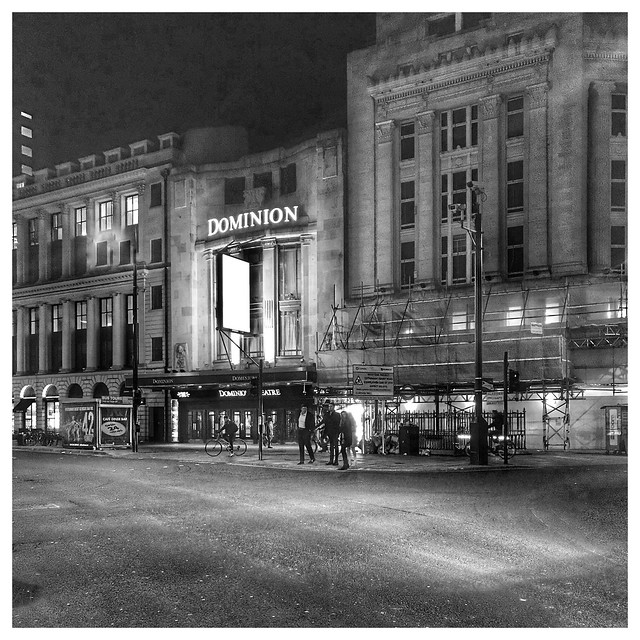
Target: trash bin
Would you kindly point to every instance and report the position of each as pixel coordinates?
(409, 440)
(20, 439)
(479, 450)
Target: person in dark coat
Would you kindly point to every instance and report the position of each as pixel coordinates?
(331, 421)
(306, 425)
(347, 427)
(229, 429)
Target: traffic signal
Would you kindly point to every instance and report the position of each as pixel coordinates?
(514, 381)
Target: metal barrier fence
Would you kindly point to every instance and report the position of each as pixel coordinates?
(438, 431)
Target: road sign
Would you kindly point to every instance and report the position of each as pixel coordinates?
(494, 398)
(372, 381)
(536, 328)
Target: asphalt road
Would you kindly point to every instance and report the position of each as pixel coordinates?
(127, 542)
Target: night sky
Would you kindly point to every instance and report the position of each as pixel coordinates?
(94, 81)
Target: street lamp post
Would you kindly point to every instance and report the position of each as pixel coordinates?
(479, 453)
(137, 393)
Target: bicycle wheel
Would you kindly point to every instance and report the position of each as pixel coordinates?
(239, 447)
(213, 448)
(511, 450)
(314, 443)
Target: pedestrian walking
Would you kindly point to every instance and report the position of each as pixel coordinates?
(347, 426)
(331, 422)
(306, 425)
(269, 432)
(229, 428)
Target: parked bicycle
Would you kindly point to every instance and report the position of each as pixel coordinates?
(217, 444)
(495, 445)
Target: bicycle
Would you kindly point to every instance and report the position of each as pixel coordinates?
(215, 445)
(495, 445)
(319, 440)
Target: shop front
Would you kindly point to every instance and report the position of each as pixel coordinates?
(200, 402)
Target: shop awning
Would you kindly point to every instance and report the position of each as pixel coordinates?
(23, 404)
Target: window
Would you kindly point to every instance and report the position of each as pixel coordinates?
(289, 273)
(130, 308)
(407, 263)
(515, 186)
(264, 180)
(407, 205)
(618, 248)
(80, 223)
(14, 233)
(155, 198)
(26, 132)
(33, 232)
(156, 250)
(618, 186)
(552, 313)
(156, 297)
(454, 190)
(125, 252)
(462, 321)
(156, 349)
(105, 215)
(618, 114)
(81, 315)
(288, 179)
(407, 141)
(515, 250)
(26, 151)
(459, 258)
(442, 26)
(101, 254)
(33, 321)
(459, 128)
(234, 191)
(473, 20)
(106, 312)
(515, 117)
(56, 227)
(56, 318)
(131, 210)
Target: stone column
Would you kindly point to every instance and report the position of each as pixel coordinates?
(210, 259)
(68, 324)
(21, 333)
(93, 333)
(537, 254)
(67, 240)
(269, 299)
(427, 222)
(384, 229)
(308, 319)
(44, 245)
(599, 167)
(44, 337)
(493, 217)
(119, 324)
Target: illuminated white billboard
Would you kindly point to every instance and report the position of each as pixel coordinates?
(232, 309)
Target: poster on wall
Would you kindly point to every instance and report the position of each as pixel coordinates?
(115, 425)
(78, 424)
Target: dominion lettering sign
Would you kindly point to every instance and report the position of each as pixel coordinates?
(249, 219)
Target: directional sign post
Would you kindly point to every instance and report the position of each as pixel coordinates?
(371, 381)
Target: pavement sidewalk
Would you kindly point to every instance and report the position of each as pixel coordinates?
(285, 456)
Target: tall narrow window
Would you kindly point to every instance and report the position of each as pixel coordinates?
(56, 227)
(80, 338)
(129, 330)
(515, 250)
(155, 196)
(156, 349)
(515, 117)
(288, 179)
(32, 341)
(156, 250)
(407, 204)
(156, 297)
(459, 259)
(105, 215)
(106, 332)
(407, 263)
(407, 141)
(80, 224)
(131, 210)
(289, 289)
(102, 251)
(618, 114)
(33, 232)
(125, 252)
(56, 337)
(515, 186)
(618, 186)
(618, 248)
(55, 258)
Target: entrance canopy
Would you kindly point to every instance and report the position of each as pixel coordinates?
(23, 404)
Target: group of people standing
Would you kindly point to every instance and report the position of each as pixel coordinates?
(340, 429)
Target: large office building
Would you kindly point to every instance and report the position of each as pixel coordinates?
(531, 109)
(133, 234)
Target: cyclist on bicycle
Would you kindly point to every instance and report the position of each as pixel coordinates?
(229, 429)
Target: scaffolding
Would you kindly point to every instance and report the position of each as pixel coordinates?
(428, 336)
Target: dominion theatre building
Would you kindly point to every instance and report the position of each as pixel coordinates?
(180, 201)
